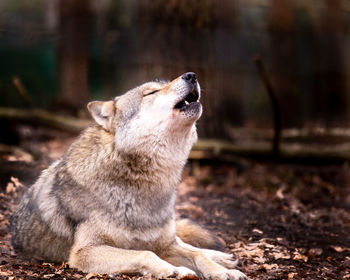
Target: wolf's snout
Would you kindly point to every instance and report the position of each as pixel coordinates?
(190, 77)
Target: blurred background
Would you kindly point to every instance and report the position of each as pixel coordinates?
(270, 173)
(57, 55)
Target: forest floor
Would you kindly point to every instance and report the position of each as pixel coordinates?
(281, 221)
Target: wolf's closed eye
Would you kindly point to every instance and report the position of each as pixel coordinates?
(152, 92)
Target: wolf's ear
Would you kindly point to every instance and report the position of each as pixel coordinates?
(102, 112)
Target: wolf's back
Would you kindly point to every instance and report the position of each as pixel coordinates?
(33, 238)
(32, 235)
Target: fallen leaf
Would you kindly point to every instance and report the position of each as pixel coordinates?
(315, 252)
(281, 255)
(190, 277)
(280, 192)
(17, 183)
(300, 257)
(48, 276)
(251, 251)
(258, 231)
(77, 276)
(339, 249)
(10, 188)
(90, 275)
(45, 264)
(269, 266)
(6, 272)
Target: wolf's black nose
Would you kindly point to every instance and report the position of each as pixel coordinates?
(190, 77)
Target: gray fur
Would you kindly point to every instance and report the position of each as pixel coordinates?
(114, 190)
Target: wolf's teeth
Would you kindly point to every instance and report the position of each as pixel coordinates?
(186, 102)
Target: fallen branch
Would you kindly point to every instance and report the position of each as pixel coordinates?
(44, 118)
(275, 106)
(205, 149)
(17, 152)
(212, 149)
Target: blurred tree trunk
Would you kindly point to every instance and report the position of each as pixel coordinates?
(74, 37)
(330, 85)
(284, 68)
(103, 72)
(195, 36)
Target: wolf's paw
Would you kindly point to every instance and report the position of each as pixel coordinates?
(237, 275)
(175, 271)
(226, 260)
(228, 274)
(184, 272)
(181, 272)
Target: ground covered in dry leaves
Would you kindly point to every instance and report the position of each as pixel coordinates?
(282, 221)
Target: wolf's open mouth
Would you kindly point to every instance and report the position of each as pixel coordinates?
(192, 97)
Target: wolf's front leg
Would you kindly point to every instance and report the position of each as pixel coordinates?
(107, 259)
(94, 250)
(208, 264)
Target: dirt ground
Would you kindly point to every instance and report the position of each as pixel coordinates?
(281, 221)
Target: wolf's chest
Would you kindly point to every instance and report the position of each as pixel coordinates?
(140, 210)
(139, 221)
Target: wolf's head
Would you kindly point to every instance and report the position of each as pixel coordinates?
(152, 114)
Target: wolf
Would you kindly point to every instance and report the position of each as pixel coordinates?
(108, 205)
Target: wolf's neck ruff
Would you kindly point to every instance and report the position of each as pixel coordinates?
(140, 143)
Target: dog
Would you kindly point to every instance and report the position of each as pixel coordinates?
(108, 205)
